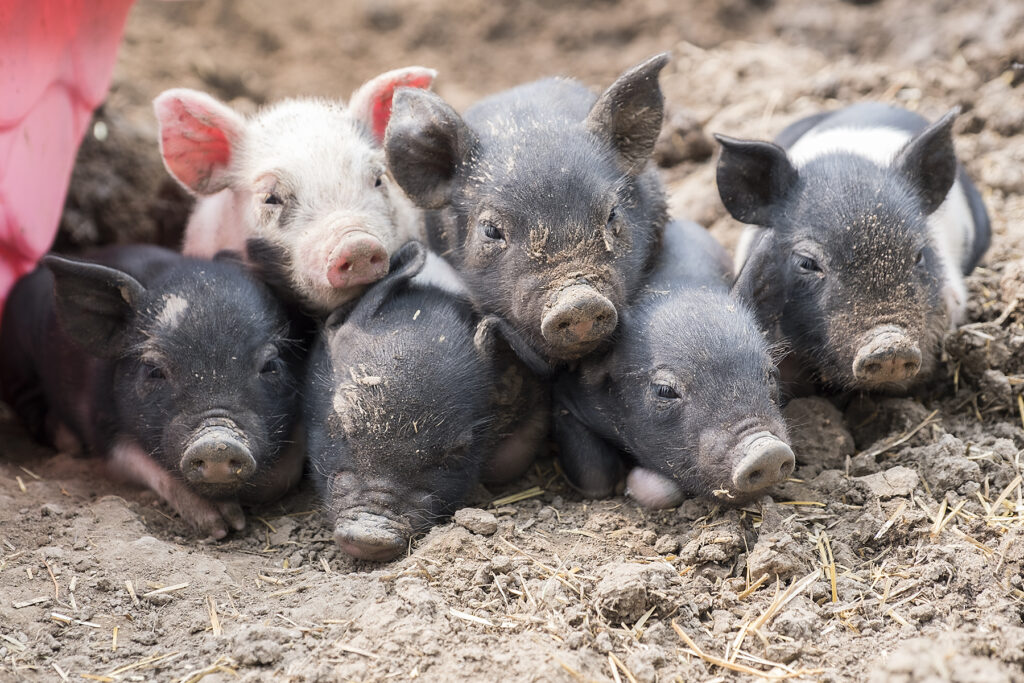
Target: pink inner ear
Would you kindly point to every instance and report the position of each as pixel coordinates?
(380, 105)
(194, 144)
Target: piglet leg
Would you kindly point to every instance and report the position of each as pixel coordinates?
(130, 462)
(591, 465)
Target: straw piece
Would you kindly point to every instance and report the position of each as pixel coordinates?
(616, 662)
(166, 589)
(211, 606)
(131, 593)
(469, 617)
(517, 497)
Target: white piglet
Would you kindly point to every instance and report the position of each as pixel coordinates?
(301, 188)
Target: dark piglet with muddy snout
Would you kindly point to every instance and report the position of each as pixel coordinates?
(686, 400)
(545, 200)
(178, 372)
(865, 227)
(411, 402)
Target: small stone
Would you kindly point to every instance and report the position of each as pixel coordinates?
(895, 481)
(666, 545)
(477, 521)
(51, 510)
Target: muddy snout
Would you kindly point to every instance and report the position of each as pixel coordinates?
(887, 355)
(765, 459)
(358, 259)
(369, 537)
(218, 453)
(579, 316)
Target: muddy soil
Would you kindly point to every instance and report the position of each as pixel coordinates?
(895, 553)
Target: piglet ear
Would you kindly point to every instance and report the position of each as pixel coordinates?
(371, 103)
(928, 162)
(491, 327)
(95, 304)
(753, 177)
(759, 282)
(630, 112)
(424, 143)
(405, 264)
(198, 137)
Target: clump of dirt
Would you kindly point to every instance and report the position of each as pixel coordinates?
(895, 553)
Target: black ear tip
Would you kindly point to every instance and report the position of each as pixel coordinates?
(51, 260)
(658, 61)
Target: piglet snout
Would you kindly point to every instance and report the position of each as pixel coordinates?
(765, 459)
(217, 455)
(887, 355)
(580, 315)
(369, 537)
(358, 259)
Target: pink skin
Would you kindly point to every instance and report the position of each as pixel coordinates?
(212, 518)
(300, 175)
(359, 259)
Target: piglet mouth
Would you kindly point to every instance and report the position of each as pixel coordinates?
(368, 536)
(218, 454)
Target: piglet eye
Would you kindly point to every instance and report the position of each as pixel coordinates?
(152, 371)
(665, 391)
(807, 264)
(919, 259)
(491, 231)
(379, 180)
(272, 199)
(612, 215)
(272, 364)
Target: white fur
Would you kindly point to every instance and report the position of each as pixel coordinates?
(315, 155)
(173, 311)
(951, 226)
(438, 273)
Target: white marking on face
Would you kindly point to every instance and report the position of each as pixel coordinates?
(173, 311)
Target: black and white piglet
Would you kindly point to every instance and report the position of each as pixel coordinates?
(687, 397)
(178, 371)
(410, 403)
(866, 225)
(548, 207)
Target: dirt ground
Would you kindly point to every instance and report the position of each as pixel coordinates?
(895, 553)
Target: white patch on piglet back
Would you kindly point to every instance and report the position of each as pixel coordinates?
(173, 311)
(875, 144)
(951, 226)
(438, 273)
(952, 230)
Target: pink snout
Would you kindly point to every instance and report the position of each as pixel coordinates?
(359, 259)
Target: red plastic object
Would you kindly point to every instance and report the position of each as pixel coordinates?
(56, 61)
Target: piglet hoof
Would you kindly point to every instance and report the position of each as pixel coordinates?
(214, 519)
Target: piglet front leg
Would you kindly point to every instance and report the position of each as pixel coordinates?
(211, 518)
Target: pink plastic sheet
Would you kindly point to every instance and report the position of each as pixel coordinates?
(56, 61)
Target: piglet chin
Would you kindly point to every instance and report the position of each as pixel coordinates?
(653, 490)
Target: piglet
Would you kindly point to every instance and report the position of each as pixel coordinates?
(411, 401)
(687, 398)
(546, 202)
(866, 226)
(178, 372)
(301, 187)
